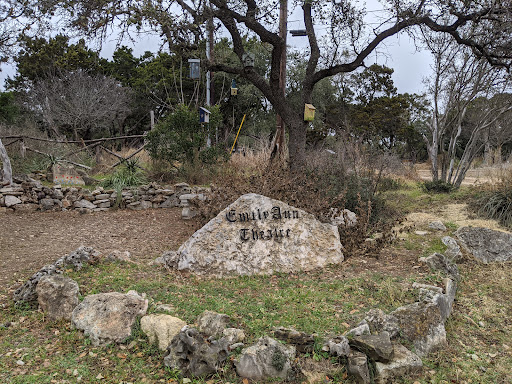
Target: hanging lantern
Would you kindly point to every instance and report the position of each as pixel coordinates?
(195, 68)
(234, 89)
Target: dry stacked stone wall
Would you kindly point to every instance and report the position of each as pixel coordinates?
(27, 195)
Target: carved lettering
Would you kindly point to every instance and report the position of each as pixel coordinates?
(231, 216)
(276, 213)
(243, 234)
(243, 216)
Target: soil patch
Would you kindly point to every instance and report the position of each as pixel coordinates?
(29, 241)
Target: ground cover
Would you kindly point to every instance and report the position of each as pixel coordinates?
(34, 350)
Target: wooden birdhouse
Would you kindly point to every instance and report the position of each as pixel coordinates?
(234, 89)
(309, 112)
(195, 68)
(248, 59)
(204, 115)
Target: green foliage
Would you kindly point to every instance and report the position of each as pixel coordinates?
(40, 58)
(180, 138)
(128, 175)
(438, 186)
(9, 111)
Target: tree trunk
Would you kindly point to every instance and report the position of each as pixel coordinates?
(497, 155)
(7, 170)
(297, 144)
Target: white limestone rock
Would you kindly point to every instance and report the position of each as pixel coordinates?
(259, 235)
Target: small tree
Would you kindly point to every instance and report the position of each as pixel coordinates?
(180, 137)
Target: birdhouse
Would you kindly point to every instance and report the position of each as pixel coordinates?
(204, 115)
(195, 68)
(248, 59)
(234, 89)
(309, 112)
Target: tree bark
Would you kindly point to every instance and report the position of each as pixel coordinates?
(7, 169)
(297, 145)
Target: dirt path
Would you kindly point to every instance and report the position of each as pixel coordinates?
(30, 240)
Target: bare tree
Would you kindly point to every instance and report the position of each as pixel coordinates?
(461, 83)
(79, 104)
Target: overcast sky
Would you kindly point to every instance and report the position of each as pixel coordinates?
(398, 52)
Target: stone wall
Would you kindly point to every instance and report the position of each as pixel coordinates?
(27, 195)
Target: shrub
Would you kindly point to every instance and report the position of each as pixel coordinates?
(497, 204)
(438, 186)
(180, 138)
(128, 175)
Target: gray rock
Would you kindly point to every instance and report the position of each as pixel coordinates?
(339, 218)
(378, 347)
(268, 358)
(212, 323)
(357, 366)
(234, 336)
(378, 322)
(443, 300)
(76, 259)
(117, 255)
(339, 346)
(145, 204)
(440, 263)
(57, 296)
(27, 292)
(102, 196)
(486, 244)
(194, 355)
(161, 329)
(422, 325)
(188, 213)
(11, 200)
(57, 193)
(437, 225)
(404, 363)
(303, 342)
(108, 317)
(84, 204)
(46, 204)
(258, 235)
(452, 252)
(361, 329)
(170, 202)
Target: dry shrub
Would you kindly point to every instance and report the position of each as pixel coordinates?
(348, 179)
(495, 201)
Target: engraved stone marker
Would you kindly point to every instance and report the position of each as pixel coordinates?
(66, 175)
(259, 235)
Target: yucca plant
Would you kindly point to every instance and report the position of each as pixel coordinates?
(128, 175)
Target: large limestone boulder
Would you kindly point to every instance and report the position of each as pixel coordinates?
(161, 329)
(109, 317)
(268, 358)
(259, 235)
(57, 296)
(486, 244)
